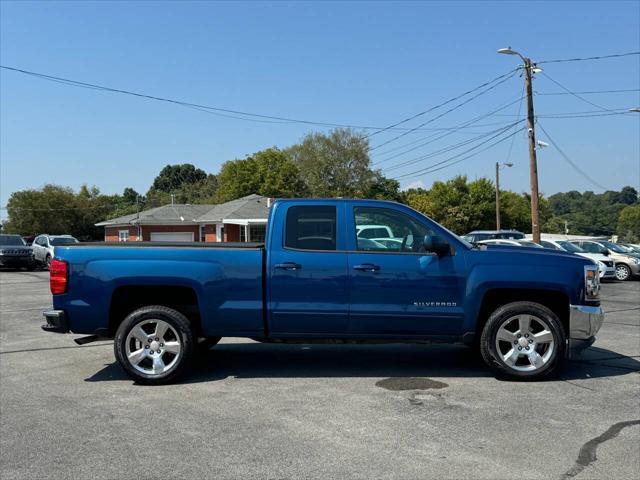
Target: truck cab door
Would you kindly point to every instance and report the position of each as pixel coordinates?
(397, 288)
(307, 270)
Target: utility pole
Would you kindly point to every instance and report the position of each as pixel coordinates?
(497, 196)
(533, 162)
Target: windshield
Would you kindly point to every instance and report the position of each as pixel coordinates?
(527, 243)
(62, 241)
(14, 240)
(614, 247)
(570, 247)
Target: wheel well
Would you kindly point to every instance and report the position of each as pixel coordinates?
(129, 298)
(555, 301)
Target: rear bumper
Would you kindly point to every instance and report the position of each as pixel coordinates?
(56, 321)
(584, 322)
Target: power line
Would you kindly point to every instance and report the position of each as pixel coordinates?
(601, 57)
(443, 103)
(430, 138)
(443, 164)
(592, 92)
(569, 161)
(504, 79)
(513, 139)
(575, 94)
(450, 148)
(223, 112)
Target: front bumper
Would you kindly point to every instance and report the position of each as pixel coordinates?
(16, 261)
(56, 321)
(584, 322)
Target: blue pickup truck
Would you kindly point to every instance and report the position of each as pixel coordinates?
(407, 279)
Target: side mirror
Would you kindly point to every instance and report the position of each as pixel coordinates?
(605, 252)
(436, 244)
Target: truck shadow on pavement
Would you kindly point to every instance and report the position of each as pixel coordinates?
(255, 360)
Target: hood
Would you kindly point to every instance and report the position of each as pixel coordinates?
(531, 255)
(598, 257)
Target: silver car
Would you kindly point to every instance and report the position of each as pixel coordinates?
(44, 247)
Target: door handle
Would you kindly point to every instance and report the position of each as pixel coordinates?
(288, 266)
(367, 267)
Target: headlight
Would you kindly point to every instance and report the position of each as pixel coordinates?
(591, 282)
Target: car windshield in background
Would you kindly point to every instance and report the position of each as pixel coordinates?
(570, 247)
(527, 243)
(11, 240)
(615, 247)
(63, 241)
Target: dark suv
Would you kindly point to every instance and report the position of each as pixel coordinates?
(14, 252)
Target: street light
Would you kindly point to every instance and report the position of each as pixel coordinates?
(530, 68)
(498, 167)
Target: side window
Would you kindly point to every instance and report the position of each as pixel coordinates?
(41, 241)
(401, 232)
(311, 227)
(590, 247)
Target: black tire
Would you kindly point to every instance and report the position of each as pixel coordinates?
(181, 326)
(494, 358)
(47, 262)
(623, 272)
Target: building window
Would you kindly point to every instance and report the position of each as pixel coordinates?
(203, 237)
(257, 233)
(123, 235)
(243, 233)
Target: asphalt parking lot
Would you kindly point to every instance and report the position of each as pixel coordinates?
(253, 410)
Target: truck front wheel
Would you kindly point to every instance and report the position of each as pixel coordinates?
(523, 340)
(154, 344)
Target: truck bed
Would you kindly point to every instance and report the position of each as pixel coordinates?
(234, 245)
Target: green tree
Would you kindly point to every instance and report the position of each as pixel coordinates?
(57, 210)
(269, 172)
(384, 188)
(334, 164)
(629, 223)
(174, 177)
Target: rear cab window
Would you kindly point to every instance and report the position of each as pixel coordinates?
(311, 227)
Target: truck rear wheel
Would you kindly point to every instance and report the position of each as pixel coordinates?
(154, 344)
(523, 340)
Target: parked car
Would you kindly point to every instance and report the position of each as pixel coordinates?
(44, 247)
(479, 235)
(15, 253)
(606, 266)
(627, 264)
(374, 231)
(632, 247)
(514, 243)
(525, 311)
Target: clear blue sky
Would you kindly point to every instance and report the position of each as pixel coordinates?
(370, 63)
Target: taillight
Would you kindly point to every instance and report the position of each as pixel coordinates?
(58, 276)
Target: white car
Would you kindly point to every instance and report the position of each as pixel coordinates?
(508, 241)
(606, 266)
(44, 247)
(374, 231)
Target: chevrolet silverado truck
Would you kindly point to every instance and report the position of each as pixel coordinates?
(315, 280)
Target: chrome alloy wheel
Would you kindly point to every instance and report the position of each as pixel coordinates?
(525, 343)
(153, 347)
(622, 272)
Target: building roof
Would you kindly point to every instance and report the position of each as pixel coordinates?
(249, 207)
(245, 208)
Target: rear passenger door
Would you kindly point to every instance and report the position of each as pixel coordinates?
(307, 268)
